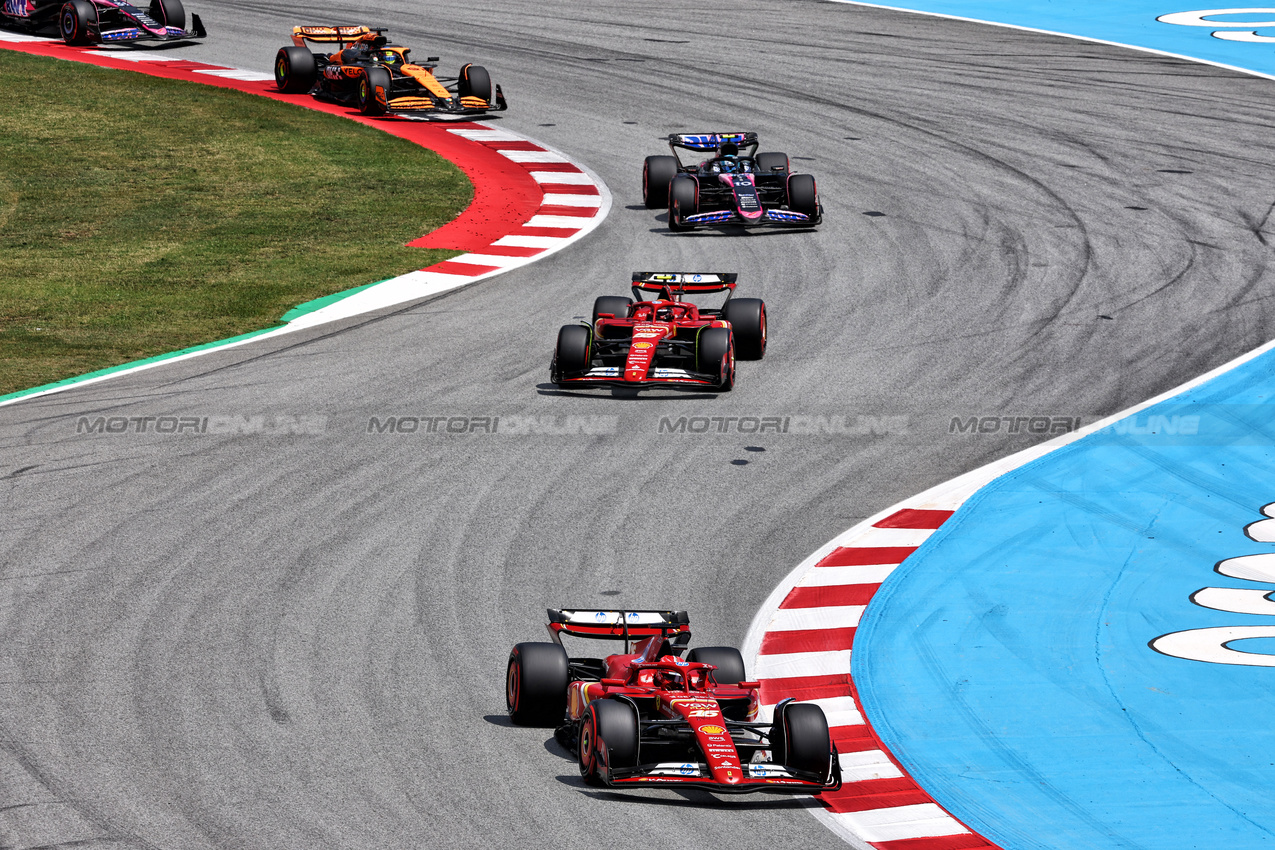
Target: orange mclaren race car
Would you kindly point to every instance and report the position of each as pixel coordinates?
(364, 70)
(648, 716)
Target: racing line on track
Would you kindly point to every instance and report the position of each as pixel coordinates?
(530, 201)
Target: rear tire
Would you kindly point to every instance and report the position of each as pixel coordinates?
(727, 659)
(657, 174)
(803, 744)
(170, 13)
(767, 162)
(683, 200)
(574, 351)
(747, 317)
(536, 681)
(77, 22)
(295, 70)
(474, 81)
(612, 724)
(616, 305)
(373, 77)
(715, 355)
(803, 197)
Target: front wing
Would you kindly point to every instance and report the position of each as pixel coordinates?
(772, 778)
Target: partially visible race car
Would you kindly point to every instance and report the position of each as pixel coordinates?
(647, 717)
(368, 72)
(736, 185)
(664, 341)
(82, 22)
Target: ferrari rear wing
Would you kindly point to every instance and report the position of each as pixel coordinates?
(710, 141)
(616, 625)
(677, 283)
(341, 34)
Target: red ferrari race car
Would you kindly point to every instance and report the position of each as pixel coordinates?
(736, 186)
(104, 21)
(667, 341)
(647, 717)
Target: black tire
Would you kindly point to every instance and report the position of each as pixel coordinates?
(373, 77)
(727, 660)
(747, 317)
(295, 70)
(77, 22)
(616, 305)
(574, 351)
(683, 199)
(767, 162)
(800, 740)
(536, 681)
(170, 13)
(657, 174)
(803, 197)
(612, 724)
(474, 81)
(715, 354)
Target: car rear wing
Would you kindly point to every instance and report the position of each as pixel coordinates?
(340, 35)
(710, 141)
(616, 624)
(673, 285)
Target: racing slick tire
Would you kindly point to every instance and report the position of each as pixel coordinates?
(574, 351)
(77, 22)
(683, 200)
(616, 305)
(727, 659)
(536, 684)
(747, 317)
(373, 77)
(799, 739)
(609, 723)
(770, 163)
(657, 173)
(715, 355)
(474, 81)
(295, 70)
(170, 13)
(802, 195)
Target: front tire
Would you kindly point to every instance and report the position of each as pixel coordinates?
(295, 70)
(609, 724)
(536, 680)
(747, 317)
(574, 352)
(803, 197)
(170, 13)
(474, 81)
(800, 734)
(657, 175)
(368, 83)
(715, 354)
(77, 22)
(683, 200)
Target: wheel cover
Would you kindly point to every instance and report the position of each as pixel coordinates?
(586, 745)
(511, 686)
(69, 21)
(281, 68)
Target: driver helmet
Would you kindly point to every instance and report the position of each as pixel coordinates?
(664, 314)
(669, 679)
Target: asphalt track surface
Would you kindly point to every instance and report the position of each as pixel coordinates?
(298, 640)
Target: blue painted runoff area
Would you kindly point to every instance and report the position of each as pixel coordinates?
(1007, 662)
(1134, 22)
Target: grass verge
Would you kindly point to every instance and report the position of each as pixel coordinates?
(140, 215)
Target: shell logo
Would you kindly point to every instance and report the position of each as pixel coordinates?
(712, 730)
(641, 346)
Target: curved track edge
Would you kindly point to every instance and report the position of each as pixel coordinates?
(530, 201)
